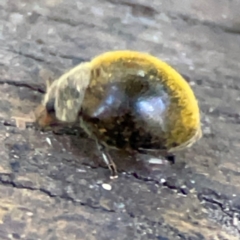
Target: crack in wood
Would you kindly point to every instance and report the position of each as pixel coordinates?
(27, 84)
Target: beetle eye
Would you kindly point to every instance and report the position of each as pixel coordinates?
(50, 106)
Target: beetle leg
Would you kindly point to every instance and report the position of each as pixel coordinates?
(108, 161)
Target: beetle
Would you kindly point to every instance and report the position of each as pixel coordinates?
(126, 100)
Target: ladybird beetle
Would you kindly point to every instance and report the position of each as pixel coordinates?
(126, 100)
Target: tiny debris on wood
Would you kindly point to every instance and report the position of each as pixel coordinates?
(22, 121)
(107, 186)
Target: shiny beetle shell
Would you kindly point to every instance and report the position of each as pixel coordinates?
(135, 101)
(127, 100)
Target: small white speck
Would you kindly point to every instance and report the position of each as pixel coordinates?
(222, 118)
(192, 83)
(106, 186)
(50, 31)
(235, 220)
(163, 180)
(29, 214)
(192, 181)
(207, 119)
(211, 109)
(120, 205)
(141, 73)
(155, 161)
(49, 141)
(81, 170)
(99, 182)
(207, 131)
(15, 156)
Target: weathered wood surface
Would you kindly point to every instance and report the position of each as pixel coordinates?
(55, 191)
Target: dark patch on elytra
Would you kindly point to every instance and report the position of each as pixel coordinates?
(69, 92)
(128, 108)
(50, 108)
(122, 132)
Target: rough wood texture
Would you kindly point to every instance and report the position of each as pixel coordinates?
(55, 191)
